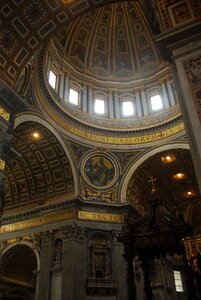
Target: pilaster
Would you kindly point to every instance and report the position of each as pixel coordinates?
(182, 49)
(45, 258)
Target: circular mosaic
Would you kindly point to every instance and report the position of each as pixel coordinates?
(99, 171)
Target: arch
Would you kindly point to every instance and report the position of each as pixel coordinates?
(19, 267)
(27, 117)
(27, 243)
(141, 159)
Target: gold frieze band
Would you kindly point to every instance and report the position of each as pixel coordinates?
(94, 216)
(61, 216)
(132, 140)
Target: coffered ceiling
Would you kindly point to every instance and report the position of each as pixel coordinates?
(40, 173)
(26, 24)
(172, 174)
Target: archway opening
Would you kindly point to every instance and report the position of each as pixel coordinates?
(18, 267)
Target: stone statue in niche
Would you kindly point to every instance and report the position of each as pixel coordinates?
(57, 251)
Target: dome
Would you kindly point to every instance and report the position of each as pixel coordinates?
(112, 42)
(108, 56)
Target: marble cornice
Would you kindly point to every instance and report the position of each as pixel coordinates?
(76, 203)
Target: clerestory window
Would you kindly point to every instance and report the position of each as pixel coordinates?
(99, 106)
(73, 97)
(127, 108)
(52, 79)
(156, 102)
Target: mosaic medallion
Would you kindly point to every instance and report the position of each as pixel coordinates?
(99, 171)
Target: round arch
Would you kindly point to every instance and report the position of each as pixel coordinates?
(26, 243)
(20, 264)
(141, 159)
(27, 117)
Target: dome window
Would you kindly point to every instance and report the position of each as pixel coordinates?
(156, 102)
(99, 106)
(73, 97)
(52, 79)
(127, 108)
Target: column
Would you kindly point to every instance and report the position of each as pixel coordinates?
(80, 263)
(138, 104)
(117, 105)
(110, 105)
(130, 278)
(183, 53)
(165, 95)
(144, 103)
(45, 259)
(188, 81)
(61, 86)
(90, 100)
(66, 88)
(68, 262)
(84, 98)
(170, 92)
(121, 268)
(145, 262)
(75, 258)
